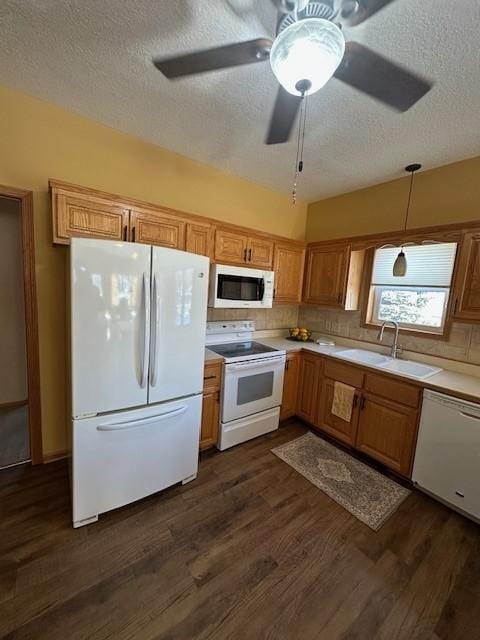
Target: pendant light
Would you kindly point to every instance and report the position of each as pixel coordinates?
(400, 264)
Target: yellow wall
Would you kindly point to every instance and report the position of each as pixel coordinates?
(39, 141)
(441, 196)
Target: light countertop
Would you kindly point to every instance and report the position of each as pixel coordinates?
(448, 382)
(457, 384)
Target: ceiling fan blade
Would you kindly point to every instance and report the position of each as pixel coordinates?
(231, 55)
(353, 12)
(380, 78)
(283, 117)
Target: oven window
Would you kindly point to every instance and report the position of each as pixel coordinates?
(239, 288)
(255, 387)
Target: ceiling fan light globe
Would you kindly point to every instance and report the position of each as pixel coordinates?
(310, 49)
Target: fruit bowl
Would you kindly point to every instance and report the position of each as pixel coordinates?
(300, 334)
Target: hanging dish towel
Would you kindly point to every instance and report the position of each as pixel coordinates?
(342, 404)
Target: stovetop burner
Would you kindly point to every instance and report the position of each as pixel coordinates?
(239, 349)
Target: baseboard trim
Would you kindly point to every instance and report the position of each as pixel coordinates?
(53, 457)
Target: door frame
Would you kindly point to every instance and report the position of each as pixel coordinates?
(25, 198)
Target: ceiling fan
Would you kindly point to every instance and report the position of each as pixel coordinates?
(308, 50)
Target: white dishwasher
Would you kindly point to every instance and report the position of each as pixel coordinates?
(447, 459)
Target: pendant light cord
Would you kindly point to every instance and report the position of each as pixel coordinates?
(409, 200)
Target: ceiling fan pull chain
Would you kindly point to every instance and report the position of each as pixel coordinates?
(297, 163)
(304, 124)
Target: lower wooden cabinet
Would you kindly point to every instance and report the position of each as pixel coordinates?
(332, 424)
(210, 419)
(387, 432)
(212, 378)
(291, 381)
(309, 388)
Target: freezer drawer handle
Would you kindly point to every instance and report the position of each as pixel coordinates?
(118, 426)
(470, 415)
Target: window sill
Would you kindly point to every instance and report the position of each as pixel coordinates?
(415, 333)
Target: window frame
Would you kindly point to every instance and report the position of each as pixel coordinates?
(366, 304)
(424, 328)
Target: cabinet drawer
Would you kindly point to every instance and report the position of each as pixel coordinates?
(398, 391)
(343, 373)
(212, 376)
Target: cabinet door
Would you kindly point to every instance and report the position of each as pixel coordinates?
(467, 302)
(308, 392)
(325, 282)
(259, 253)
(288, 267)
(387, 431)
(290, 386)
(210, 418)
(332, 424)
(230, 247)
(199, 238)
(87, 217)
(152, 227)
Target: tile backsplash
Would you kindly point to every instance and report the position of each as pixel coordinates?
(463, 344)
(281, 316)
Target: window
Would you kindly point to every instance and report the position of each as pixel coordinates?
(419, 299)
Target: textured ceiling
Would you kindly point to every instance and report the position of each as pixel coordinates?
(94, 57)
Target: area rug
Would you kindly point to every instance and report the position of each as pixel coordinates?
(365, 493)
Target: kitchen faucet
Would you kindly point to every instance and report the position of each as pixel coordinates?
(395, 350)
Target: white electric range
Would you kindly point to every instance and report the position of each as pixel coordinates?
(252, 382)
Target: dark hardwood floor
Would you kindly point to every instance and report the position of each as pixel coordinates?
(250, 550)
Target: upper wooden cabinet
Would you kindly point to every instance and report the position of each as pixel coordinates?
(232, 247)
(333, 276)
(259, 252)
(84, 216)
(288, 265)
(155, 227)
(467, 286)
(325, 277)
(200, 238)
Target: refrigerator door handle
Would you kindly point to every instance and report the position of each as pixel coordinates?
(153, 334)
(118, 426)
(145, 336)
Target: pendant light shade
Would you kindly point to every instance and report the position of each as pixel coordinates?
(400, 264)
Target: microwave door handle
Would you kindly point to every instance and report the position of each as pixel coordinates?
(261, 289)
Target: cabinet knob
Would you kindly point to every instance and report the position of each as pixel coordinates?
(249, 255)
(244, 255)
(125, 233)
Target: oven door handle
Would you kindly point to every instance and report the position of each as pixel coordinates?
(267, 362)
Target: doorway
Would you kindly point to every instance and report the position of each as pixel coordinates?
(20, 418)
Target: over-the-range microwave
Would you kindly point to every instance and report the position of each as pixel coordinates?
(240, 287)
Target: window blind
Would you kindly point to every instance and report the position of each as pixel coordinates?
(427, 265)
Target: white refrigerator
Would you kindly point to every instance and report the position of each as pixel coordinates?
(138, 321)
